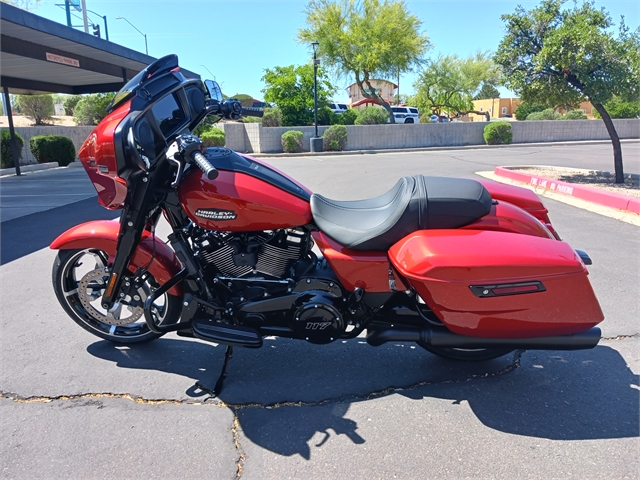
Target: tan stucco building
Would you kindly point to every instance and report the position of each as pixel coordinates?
(498, 107)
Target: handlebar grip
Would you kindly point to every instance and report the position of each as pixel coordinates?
(252, 112)
(209, 170)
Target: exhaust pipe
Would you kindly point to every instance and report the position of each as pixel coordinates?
(438, 338)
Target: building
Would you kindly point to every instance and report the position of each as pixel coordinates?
(499, 107)
(383, 88)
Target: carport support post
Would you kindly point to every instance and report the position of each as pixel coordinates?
(12, 132)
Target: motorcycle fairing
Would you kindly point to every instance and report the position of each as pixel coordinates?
(443, 265)
(98, 157)
(103, 235)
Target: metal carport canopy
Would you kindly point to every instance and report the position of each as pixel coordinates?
(42, 56)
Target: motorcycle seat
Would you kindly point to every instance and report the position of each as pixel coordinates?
(414, 203)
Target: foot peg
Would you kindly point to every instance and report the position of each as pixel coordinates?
(226, 334)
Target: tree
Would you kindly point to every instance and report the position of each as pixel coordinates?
(365, 39)
(92, 108)
(564, 57)
(450, 83)
(291, 89)
(487, 92)
(38, 108)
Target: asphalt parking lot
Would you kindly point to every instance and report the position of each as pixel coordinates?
(74, 406)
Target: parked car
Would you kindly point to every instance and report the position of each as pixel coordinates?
(438, 119)
(406, 114)
(339, 107)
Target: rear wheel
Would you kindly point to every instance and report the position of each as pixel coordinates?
(466, 354)
(79, 280)
(409, 120)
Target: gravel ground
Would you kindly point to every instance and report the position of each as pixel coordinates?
(590, 178)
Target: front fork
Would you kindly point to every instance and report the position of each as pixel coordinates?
(133, 222)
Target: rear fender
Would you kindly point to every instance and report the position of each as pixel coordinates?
(103, 235)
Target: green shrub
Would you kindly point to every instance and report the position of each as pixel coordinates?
(38, 108)
(497, 133)
(547, 114)
(575, 115)
(372, 116)
(618, 108)
(347, 118)
(334, 138)
(207, 124)
(6, 155)
(525, 109)
(70, 103)
(251, 119)
(52, 148)
(326, 116)
(213, 137)
(92, 108)
(292, 141)
(272, 117)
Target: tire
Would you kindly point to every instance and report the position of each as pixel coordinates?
(409, 120)
(467, 354)
(79, 280)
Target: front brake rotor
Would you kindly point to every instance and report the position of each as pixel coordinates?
(91, 288)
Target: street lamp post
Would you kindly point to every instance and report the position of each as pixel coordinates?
(143, 34)
(316, 142)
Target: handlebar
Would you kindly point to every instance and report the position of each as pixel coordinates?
(201, 161)
(252, 112)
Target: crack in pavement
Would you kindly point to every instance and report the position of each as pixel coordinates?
(621, 337)
(236, 407)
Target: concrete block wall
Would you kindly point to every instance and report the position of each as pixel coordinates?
(571, 130)
(254, 138)
(452, 134)
(77, 135)
(413, 136)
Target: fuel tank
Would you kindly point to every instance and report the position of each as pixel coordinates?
(248, 195)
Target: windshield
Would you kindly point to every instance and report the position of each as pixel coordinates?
(164, 64)
(126, 91)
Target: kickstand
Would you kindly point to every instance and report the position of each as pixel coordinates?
(227, 355)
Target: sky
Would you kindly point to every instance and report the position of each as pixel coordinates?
(234, 41)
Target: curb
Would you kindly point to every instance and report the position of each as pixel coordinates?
(608, 199)
(36, 167)
(429, 149)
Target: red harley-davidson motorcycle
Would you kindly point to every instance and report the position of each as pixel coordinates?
(467, 269)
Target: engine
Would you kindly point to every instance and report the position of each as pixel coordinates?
(269, 254)
(273, 283)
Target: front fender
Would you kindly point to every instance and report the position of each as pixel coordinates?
(103, 235)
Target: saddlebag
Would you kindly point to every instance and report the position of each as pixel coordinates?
(497, 284)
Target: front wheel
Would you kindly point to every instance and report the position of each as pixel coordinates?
(466, 354)
(80, 279)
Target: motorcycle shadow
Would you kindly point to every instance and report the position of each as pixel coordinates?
(295, 393)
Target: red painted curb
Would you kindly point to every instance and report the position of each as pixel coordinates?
(609, 199)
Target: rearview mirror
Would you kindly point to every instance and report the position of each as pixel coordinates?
(214, 90)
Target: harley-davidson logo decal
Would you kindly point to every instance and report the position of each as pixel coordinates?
(216, 214)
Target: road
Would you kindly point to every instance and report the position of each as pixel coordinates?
(74, 406)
